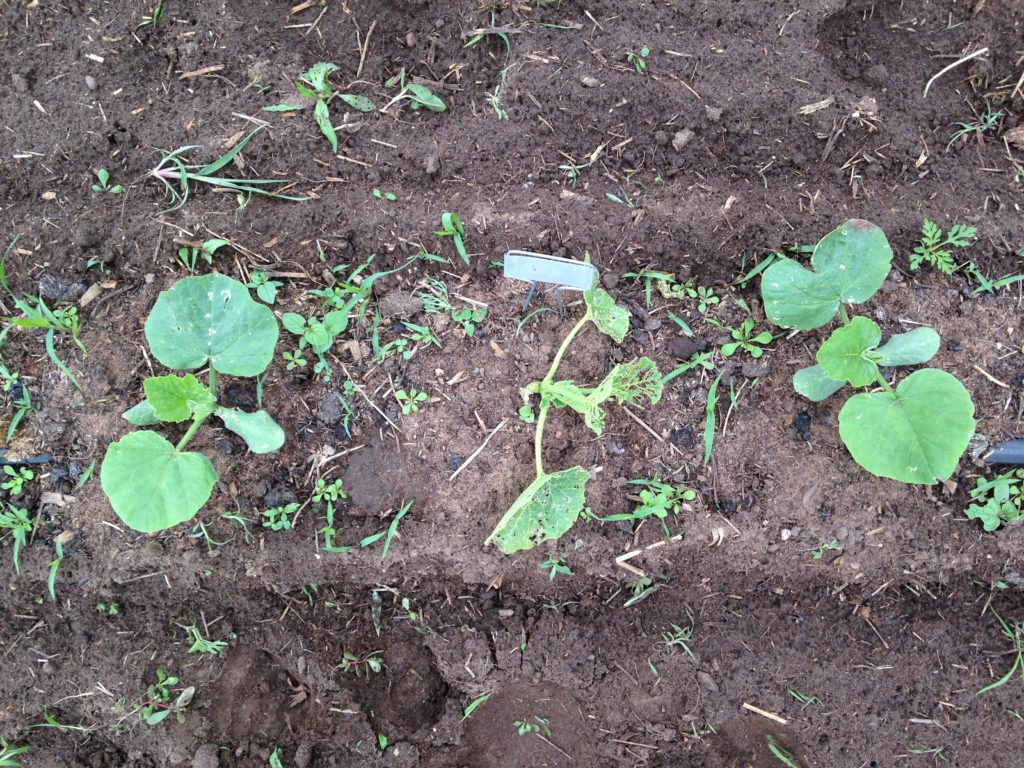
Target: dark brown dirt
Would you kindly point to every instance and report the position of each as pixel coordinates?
(721, 165)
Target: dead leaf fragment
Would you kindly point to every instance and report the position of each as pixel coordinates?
(1015, 136)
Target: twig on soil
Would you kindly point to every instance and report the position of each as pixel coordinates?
(364, 47)
(991, 378)
(554, 746)
(373, 405)
(946, 69)
(763, 713)
(621, 559)
(476, 453)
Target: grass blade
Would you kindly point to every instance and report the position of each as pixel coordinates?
(709, 424)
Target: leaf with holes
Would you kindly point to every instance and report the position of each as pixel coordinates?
(548, 508)
(609, 317)
(212, 319)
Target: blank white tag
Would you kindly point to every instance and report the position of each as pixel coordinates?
(540, 268)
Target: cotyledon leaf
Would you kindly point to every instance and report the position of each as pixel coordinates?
(814, 384)
(548, 508)
(261, 433)
(151, 485)
(910, 348)
(842, 357)
(915, 434)
(141, 415)
(212, 319)
(849, 265)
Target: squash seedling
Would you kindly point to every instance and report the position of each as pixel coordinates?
(314, 84)
(203, 321)
(551, 504)
(915, 432)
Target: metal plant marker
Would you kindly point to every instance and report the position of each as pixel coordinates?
(564, 274)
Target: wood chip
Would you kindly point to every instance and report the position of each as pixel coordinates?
(91, 294)
(200, 72)
(57, 499)
(498, 351)
(817, 106)
(1015, 136)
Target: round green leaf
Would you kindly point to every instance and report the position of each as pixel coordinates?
(849, 266)
(547, 509)
(177, 398)
(152, 486)
(609, 317)
(212, 318)
(916, 435)
(910, 348)
(261, 433)
(814, 384)
(842, 358)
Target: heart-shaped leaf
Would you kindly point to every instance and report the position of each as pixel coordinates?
(212, 319)
(850, 265)
(842, 358)
(152, 486)
(548, 508)
(915, 435)
(261, 433)
(910, 348)
(178, 398)
(141, 415)
(609, 317)
(814, 384)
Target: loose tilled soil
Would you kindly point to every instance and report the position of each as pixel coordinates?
(756, 126)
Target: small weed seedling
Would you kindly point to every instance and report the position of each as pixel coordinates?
(535, 724)
(363, 666)
(417, 95)
(266, 289)
(555, 566)
(17, 392)
(915, 432)
(1014, 632)
(436, 300)
(36, 314)
(209, 321)
(933, 249)
(103, 183)
(745, 339)
(828, 546)
(275, 760)
(997, 502)
(189, 255)
(473, 705)
(159, 705)
(9, 753)
(451, 226)
(780, 753)
(935, 753)
(639, 59)
(658, 500)
(280, 518)
(406, 345)
(389, 196)
(14, 520)
(15, 479)
(314, 85)
(551, 504)
(986, 122)
(179, 177)
(805, 699)
(108, 609)
(154, 16)
(200, 644)
(680, 637)
(410, 401)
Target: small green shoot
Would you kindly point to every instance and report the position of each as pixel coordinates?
(200, 644)
(266, 289)
(15, 521)
(8, 753)
(436, 300)
(473, 705)
(639, 59)
(280, 518)
(154, 16)
(275, 760)
(189, 255)
(658, 500)
(389, 196)
(934, 249)
(16, 477)
(998, 501)
(828, 546)
(51, 574)
(986, 122)
(108, 609)
(159, 704)
(555, 566)
(451, 226)
(103, 183)
(781, 754)
(364, 665)
(805, 699)
(745, 339)
(680, 637)
(417, 95)
(1014, 632)
(536, 724)
(410, 401)
(936, 753)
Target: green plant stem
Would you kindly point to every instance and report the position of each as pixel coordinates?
(545, 404)
(843, 315)
(193, 428)
(213, 381)
(885, 384)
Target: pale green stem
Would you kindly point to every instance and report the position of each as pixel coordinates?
(843, 315)
(194, 426)
(542, 416)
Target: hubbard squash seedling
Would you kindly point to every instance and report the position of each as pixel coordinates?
(551, 504)
(915, 432)
(209, 321)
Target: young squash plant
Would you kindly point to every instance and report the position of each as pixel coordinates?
(915, 432)
(209, 321)
(551, 504)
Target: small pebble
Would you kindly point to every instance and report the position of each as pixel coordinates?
(90, 82)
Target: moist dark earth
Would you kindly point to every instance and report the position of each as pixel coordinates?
(753, 127)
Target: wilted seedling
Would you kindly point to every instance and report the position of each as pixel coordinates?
(314, 84)
(103, 183)
(551, 504)
(266, 289)
(933, 249)
(178, 177)
(915, 432)
(410, 401)
(417, 95)
(201, 644)
(998, 501)
(209, 321)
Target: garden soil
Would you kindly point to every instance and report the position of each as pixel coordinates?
(748, 127)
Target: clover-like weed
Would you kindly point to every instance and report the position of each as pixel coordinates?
(914, 432)
(209, 321)
(998, 501)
